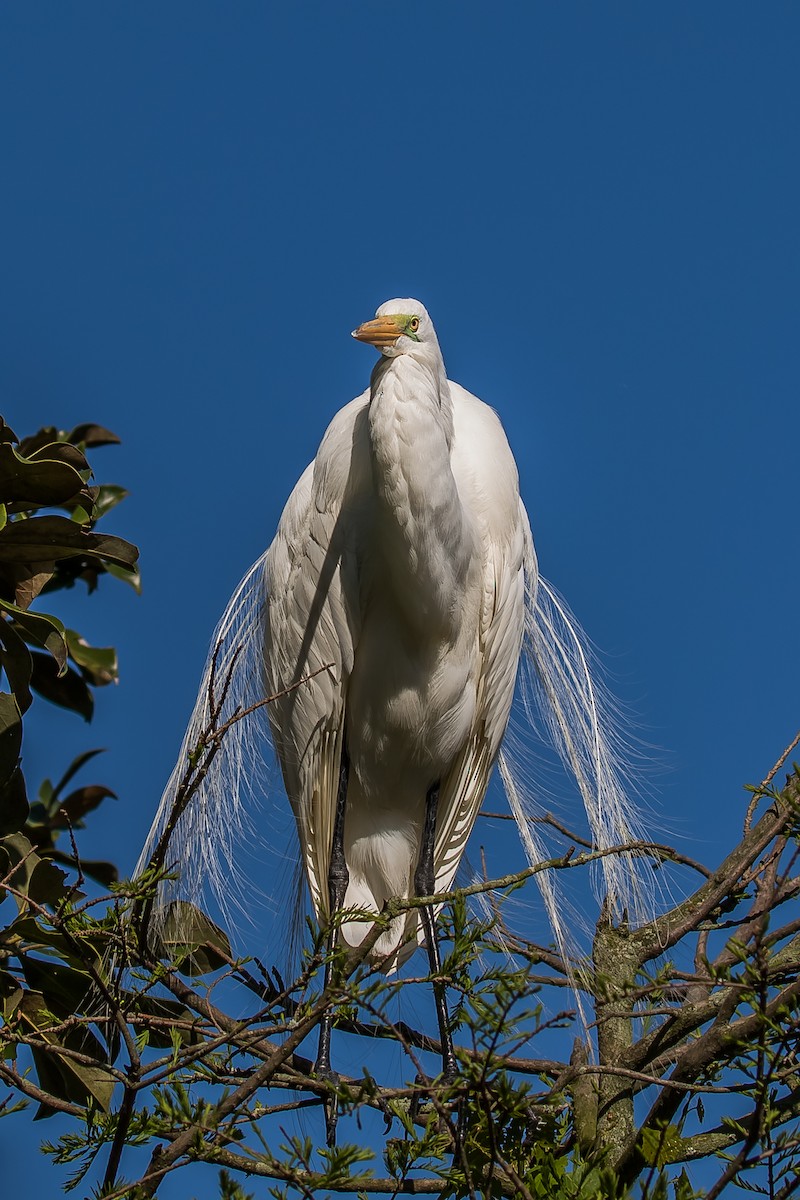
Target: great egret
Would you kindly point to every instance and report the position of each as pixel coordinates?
(402, 588)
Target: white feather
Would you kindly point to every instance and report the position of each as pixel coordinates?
(392, 610)
(205, 844)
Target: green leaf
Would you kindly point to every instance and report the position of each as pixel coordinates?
(27, 580)
(61, 452)
(45, 796)
(661, 1146)
(10, 735)
(133, 577)
(39, 935)
(79, 803)
(43, 629)
(90, 434)
(98, 663)
(43, 437)
(72, 770)
(37, 481)
(65, 988)
(7, 433)
(61, 1076)
(80, 514)
(15, 658)
(231, 1189)
(48, 539)
(191, 939)
(104, 873)
(14, 807)
(22, 861)
(10, 994)
(109, 495)
(35, 877)
(68, 690)
(47, 884)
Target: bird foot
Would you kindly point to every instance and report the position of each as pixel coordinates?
(419, 1098)
(449, 1073)
(448, 1076)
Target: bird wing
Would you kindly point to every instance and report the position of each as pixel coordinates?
(487, 479)
(311, 628)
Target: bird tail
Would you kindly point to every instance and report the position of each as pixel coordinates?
(205, 814)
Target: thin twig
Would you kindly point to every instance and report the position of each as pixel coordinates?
(759, 792)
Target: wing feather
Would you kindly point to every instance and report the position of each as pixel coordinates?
(311, 629)
(487, 479)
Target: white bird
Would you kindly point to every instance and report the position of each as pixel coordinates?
(401, 586)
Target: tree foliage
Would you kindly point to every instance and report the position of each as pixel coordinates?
(175, 1052)
(48, 541)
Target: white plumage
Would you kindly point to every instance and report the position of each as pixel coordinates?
(401, 558)
(403, 564)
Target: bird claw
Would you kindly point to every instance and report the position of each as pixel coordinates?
(386, 1113)
(327, 1075)
(446, 1079)
(449, 1075)
(419, 1098)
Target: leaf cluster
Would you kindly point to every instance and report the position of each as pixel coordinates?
(49, 511)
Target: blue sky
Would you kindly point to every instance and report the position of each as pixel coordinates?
(598, 205)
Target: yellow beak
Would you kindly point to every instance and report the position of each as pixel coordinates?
(383, 331)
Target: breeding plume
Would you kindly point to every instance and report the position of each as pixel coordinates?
(388, 618)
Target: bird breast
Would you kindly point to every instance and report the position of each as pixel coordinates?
(413, 687)
(410, 706)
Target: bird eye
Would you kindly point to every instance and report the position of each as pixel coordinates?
(413, 324)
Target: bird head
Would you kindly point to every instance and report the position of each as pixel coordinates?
(400, 327)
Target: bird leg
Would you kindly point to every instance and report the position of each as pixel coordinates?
(338, 878)
(424, 884)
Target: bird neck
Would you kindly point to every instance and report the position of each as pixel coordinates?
(422, 535)
(423, 380)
